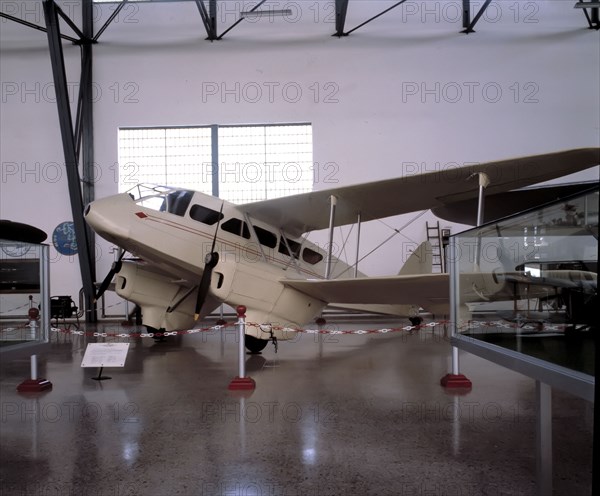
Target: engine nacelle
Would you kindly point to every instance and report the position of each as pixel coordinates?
(155, 293)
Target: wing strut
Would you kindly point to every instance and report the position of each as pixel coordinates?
(357, 244)
(332, 205)
(292, 254)
(484, 182)
(255, 237)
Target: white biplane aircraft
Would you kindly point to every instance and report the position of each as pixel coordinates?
(196, 251)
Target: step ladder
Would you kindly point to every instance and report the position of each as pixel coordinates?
(434, 236)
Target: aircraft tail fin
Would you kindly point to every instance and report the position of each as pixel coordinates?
(419, 261)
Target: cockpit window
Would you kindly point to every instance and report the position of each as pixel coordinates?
(162, 198)
(177, 202)
(205, 215)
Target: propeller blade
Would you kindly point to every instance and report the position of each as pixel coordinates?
(202, 291)
(212, 248)
(210, 262)
(116, 267)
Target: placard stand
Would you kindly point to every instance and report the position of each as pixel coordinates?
(100, 377)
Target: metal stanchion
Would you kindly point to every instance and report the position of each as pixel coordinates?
(455, 379)
(34, 385)
(241, 382)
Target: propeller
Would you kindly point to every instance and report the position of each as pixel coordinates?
(116, 267)
(210, 261)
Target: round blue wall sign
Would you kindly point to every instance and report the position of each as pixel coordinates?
(63, 238)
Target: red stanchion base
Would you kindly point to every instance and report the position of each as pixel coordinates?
(455, 381)
(242, 384)
(34, 386)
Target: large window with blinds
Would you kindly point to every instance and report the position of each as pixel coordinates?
(240, 164)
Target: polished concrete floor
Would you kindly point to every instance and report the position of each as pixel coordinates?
(356, 414)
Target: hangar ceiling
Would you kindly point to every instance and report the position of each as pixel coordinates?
(208, 15)
(77, 130)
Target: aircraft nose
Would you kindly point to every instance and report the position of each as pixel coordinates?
(93, 218)
(106, 218)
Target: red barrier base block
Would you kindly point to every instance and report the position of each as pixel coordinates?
(34, 386)
(456, 381)
(242, 384)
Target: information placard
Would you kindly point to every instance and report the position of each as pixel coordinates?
(105, 355)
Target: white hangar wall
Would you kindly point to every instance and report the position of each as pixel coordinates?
(405, 93)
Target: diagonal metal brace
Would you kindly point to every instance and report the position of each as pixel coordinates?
(72, 25)
(110, 19)
(469, 28)
(35, 26)
(375, 17)
(240, 20)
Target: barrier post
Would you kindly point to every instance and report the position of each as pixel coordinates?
(34, 385)
(454, 380)
(241, 382)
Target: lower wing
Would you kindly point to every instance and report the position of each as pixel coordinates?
(415, 289)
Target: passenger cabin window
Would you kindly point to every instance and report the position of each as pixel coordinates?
(266, 238)
(294, 246)
(237, 227)
(311, 256)
(205, 215)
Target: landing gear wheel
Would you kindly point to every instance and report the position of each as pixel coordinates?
(416, 321)
(255, 345)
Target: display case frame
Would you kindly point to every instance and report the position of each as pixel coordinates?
(534, 271)
(25, 292)
(532, 267)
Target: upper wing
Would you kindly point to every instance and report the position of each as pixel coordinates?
(421, 289)
(310, 211)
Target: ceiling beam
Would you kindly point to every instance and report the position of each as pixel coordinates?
(57, 62)
(341, 8)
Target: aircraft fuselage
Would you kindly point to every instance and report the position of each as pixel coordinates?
(172, 231)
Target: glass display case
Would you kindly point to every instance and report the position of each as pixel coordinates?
(24, 295)
(524, 291)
